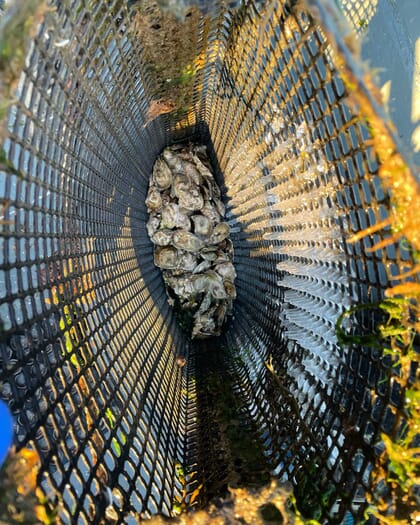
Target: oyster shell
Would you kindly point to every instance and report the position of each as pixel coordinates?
(191, 198)
(192, 245)
(187, 261)
(153, 200)
(202, 267)
(220, 314)
(192, 173)
(220, 207)
(173, 217)
(202, 225)
(220, 232)
(162, 175)
(206, 303)
(230, 289)
(172, 160)
(187, 241)
(181, 286)
(166, 257)
(162, 237)
(202, 168)
(182, 220)
(204, 326)
(209, 253)
(211, 212)
(226, 270)
(201, 282)
(180, 184)
(169, 216)
(152, 225)
(216, 286)
(221, 257)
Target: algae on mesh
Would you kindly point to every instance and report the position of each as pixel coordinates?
(169, 50)
(17, 29)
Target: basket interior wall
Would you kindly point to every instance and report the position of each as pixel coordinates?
(89, 344)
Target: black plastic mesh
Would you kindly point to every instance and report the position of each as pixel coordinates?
(89, 346)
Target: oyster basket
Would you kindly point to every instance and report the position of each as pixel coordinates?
(128, 416)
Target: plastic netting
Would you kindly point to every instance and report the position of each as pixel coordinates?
(91, 355)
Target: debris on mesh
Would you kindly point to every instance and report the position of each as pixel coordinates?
(270, 504)
(21, 500)
(191, 239)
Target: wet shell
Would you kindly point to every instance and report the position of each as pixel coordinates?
(202, 225)
(222, 257)
(162, 175)
(220, 232)
(181, 184)
(162, 237)
(212, 282)
(166, 258)
(187, 241)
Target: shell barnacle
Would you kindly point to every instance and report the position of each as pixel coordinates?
(191, 239)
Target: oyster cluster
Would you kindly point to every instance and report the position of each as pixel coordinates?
(192, 245)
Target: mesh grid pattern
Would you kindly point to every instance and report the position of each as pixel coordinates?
(89, 345)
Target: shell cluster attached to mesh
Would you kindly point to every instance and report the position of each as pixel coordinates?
(191, 239)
